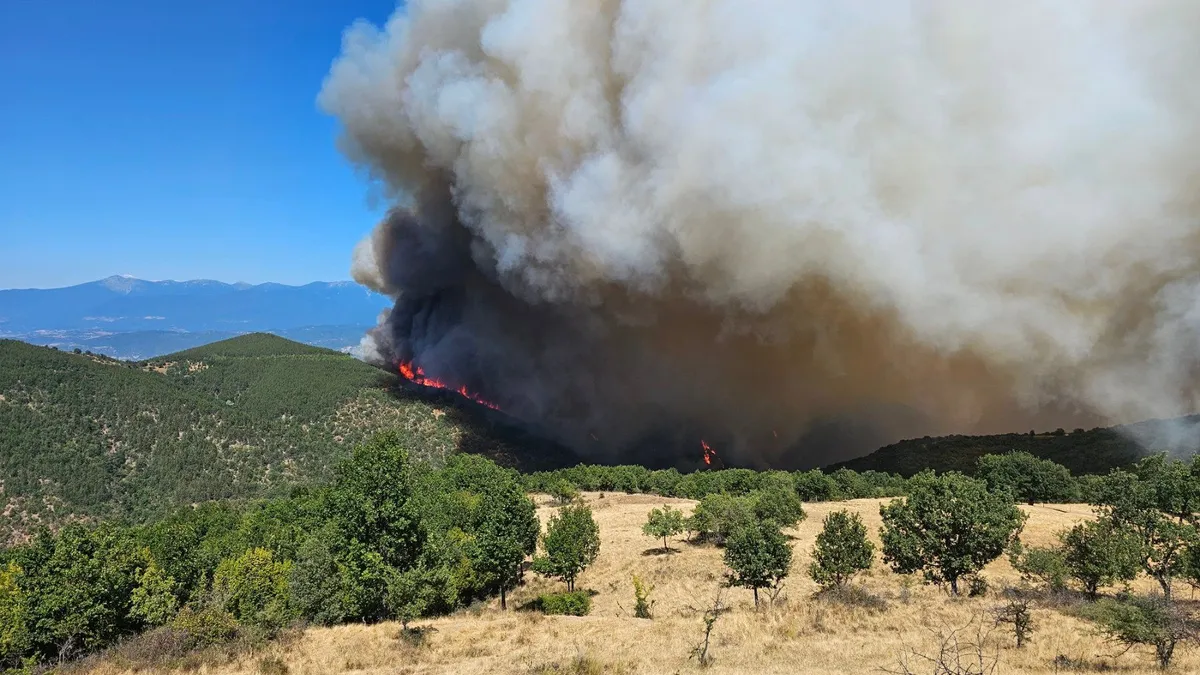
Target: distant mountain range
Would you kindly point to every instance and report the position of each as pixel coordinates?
(131, 318)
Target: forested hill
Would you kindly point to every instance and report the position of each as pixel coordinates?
(85, 435)
(1093, 451)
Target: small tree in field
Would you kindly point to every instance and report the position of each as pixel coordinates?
(564, 492)
(842, 550)
(572, 542)
(948, 527)
(758, 556)
(662, 523)
(1097, 554)
(1156, 622)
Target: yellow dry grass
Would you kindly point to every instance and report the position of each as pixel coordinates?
(800, 634)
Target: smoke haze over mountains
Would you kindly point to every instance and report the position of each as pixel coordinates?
(796, 228)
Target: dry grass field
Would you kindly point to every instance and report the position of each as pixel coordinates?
(799, 634)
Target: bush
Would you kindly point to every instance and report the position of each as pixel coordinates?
(779, 505)
(206, 626)
(949, 527)
(717, 516)
(642, 604)
(1047, 566)
(563, 492)
(851, 595)
(1156, 622)
(571, 603)
(842, 550)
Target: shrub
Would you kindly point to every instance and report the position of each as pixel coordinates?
(571, 542)
(977, 586)
(948, 527)
(1044, 565)
(642, 604)
(719, 515)
(779, 505)
(853, 596)
(1156, 622)
(842, 550)
(206, 626)
(1016, 613)
(563, 491)
(571, 603)
(758, 556)
(662, 523)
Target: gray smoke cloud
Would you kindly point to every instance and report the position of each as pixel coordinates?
(799, 227)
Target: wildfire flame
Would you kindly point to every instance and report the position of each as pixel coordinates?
(416, 375)
(709, 453)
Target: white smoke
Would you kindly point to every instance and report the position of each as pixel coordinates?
(972, 209)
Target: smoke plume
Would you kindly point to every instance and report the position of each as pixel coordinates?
(793, 227)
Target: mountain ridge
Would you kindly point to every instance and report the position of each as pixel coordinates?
(155, 314)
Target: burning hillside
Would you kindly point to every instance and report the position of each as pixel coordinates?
(801, 227)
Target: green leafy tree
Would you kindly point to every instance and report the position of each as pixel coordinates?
(1137, 503)
(842, 550)
(14, 617)
(370, 501)
(948, 527)
(153, 600)
(663, 523)
(507, 535)
(758, 556)
(571, 543)
(779, 505)
(254, 588)
(1030, 479)
(318, 582)
(78, 586)
(413, 593)
(1097, 554)
(376, 524)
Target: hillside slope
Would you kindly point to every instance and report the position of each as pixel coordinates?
(250, 416)
(1093, 451)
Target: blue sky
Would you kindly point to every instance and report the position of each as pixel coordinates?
(173, 140)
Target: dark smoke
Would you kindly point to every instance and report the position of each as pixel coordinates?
(797, 229)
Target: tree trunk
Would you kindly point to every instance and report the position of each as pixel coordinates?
(1165, 582)
(954, 586)
(503, 600)
(756, 597)
(665, 547)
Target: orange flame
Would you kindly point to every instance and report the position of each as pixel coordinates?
(709, 453)
(416, 375)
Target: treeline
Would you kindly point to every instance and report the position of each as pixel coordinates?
(1027, 477)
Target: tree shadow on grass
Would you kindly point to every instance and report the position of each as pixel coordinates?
(658, 550)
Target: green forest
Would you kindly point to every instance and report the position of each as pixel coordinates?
(84, 435)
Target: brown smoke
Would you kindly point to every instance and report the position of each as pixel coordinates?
(799, 227)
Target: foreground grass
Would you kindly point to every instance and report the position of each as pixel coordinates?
(799, 634)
